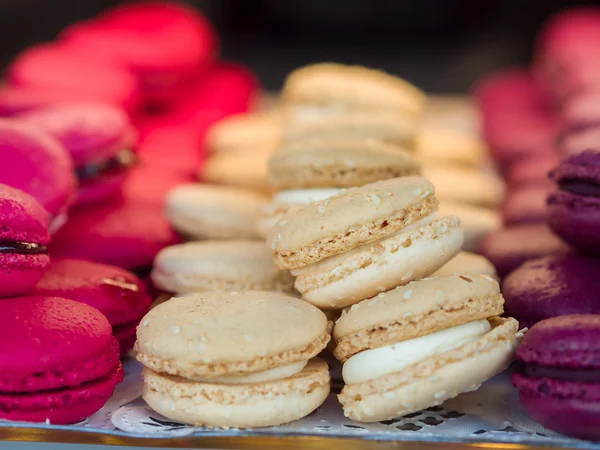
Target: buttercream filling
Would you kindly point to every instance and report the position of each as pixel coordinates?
(22, 248)
(95, 169)
(303, 196)
(376, 363)
(562, 373)
(579, 187)
(278, 373)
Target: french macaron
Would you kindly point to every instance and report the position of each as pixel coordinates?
(100, 140)
(555, 285)
(558, 376)
(23, 240)
(386, 126)
(526, 204)
(118, 294)
(323, 89)
(467, 262)
(15, 100)
(450, 146)
(127, 235)
(150, 185)
(224, 359)
(476, 221)
(62, 364)
(421, 344)
(574, 208)
(510, 247)
(324, 163)
(203, 211)
(575, 142)
(244, 132)
(40, 166)
(232, 265)
(241, 169)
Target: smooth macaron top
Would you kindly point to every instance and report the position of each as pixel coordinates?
(56, 335)
(39, 165)
(349, 209)
(579, 174)
(338, 163)
(89, 131)
(216, 329)
(23, 218)
(243, 132)
(352, 87)
(118, 294)
(571, 341)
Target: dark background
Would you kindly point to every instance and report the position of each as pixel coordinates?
(442, 45)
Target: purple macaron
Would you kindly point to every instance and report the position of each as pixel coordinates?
(510, 247)
(550, 286)
(559, 376)
(23, 239)
(100, 139)
(574, 208)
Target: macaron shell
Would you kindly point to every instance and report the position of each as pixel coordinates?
(466, 262)
(125, 335)
(104, 188)
(450, 146)
(23, 218)
(246, 132)
(525, 205)
(19, 274)
(477, 222)
(247, 405)
(247, 170)
(63, 406)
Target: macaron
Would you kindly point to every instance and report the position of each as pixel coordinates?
(338, 163)
(510, 247)
(250, 131)
(576, 142)
(550, 286)
(574, 209)
(581, 111)
(223, 359)
(203, 211)
(15, 100)
(476, 221)
(39, 165)
(557, 380)
(118, 294)
(467, 262)
(325, 89)
(385, 126)
(235, 265)
(421, 344)
(150, 185)
(62, 364)
(532, 170)
(126, 235)
(100, 140)
(526, 204)
(242, 169)
(23, 240)
(449, 146)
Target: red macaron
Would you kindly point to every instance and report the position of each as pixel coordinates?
(23, 240)
(39, 165)
(118, 294)
(100, 139)
(62, 364)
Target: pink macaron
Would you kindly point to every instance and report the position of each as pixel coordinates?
(39, 165)
(62, 364)
(149, 184)
(23, 240)
(100, 139)
(123, 234)
(118, 294)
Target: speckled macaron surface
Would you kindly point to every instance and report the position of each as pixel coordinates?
(231, 265)
(467, 262)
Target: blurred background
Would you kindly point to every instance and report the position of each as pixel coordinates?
(441, 45)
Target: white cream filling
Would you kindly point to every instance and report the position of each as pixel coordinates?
(303, 196)
(278, 373)
(371, 364)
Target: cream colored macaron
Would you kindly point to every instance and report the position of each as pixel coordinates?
(447, 146)
(329, 88)
(477, 221)
(466, 262)
(465, 185)
(338, 163)
(244, 132)
(421, 344)
(235, 265)
(241, 169)
(221, 359)
(203, 211)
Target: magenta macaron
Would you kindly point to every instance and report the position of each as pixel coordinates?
(559, 377)
(39, 165)
(100, 139)
(62, 364)
(23, 240)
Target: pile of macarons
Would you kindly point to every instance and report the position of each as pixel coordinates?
(543, 129)
(96, 127)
